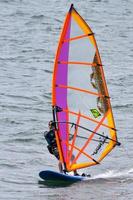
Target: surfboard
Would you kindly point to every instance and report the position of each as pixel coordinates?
(52, 176)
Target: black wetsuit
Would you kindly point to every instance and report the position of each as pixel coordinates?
(52, 146)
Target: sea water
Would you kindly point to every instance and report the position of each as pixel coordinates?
(29, 33)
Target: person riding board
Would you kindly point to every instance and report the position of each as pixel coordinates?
(52, 145)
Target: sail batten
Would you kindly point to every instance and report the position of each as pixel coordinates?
(80, 93)
(78, 63)
(89, 118)
(78, 37)
(80, 89)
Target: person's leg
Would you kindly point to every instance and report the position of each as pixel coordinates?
(60, 167)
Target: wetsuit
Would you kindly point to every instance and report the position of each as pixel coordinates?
(52, 146)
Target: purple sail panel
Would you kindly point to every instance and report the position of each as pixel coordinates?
(61, 93)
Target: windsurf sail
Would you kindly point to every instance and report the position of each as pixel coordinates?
(85, 127)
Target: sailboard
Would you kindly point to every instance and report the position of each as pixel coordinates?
(85, 126)
(60, 178)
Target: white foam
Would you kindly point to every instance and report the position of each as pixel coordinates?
(114, 174)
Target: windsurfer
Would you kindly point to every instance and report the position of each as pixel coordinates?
(52, 145)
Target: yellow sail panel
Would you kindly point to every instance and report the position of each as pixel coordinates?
(110, 120)
(86, 29)
(107, 150)
(81, 165)
(112, 133)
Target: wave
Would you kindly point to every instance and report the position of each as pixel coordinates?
(25, 140)
(123, 106)
(57, 20)
(38, 16)
(14, 96)
(48, 61)
(7, 165)
(48, 71)
(47, 95)
(7, 1)
(113, 174)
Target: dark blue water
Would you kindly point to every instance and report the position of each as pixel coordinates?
(29, 32)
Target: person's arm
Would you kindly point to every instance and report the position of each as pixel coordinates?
(45, 133)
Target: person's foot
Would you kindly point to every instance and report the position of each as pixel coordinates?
(64, 171)
(87, 175)
(76, 174)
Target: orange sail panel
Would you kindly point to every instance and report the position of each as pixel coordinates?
(79, 86)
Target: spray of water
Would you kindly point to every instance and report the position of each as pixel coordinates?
(115, 174)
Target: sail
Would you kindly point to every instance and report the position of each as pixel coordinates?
(81, 105)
